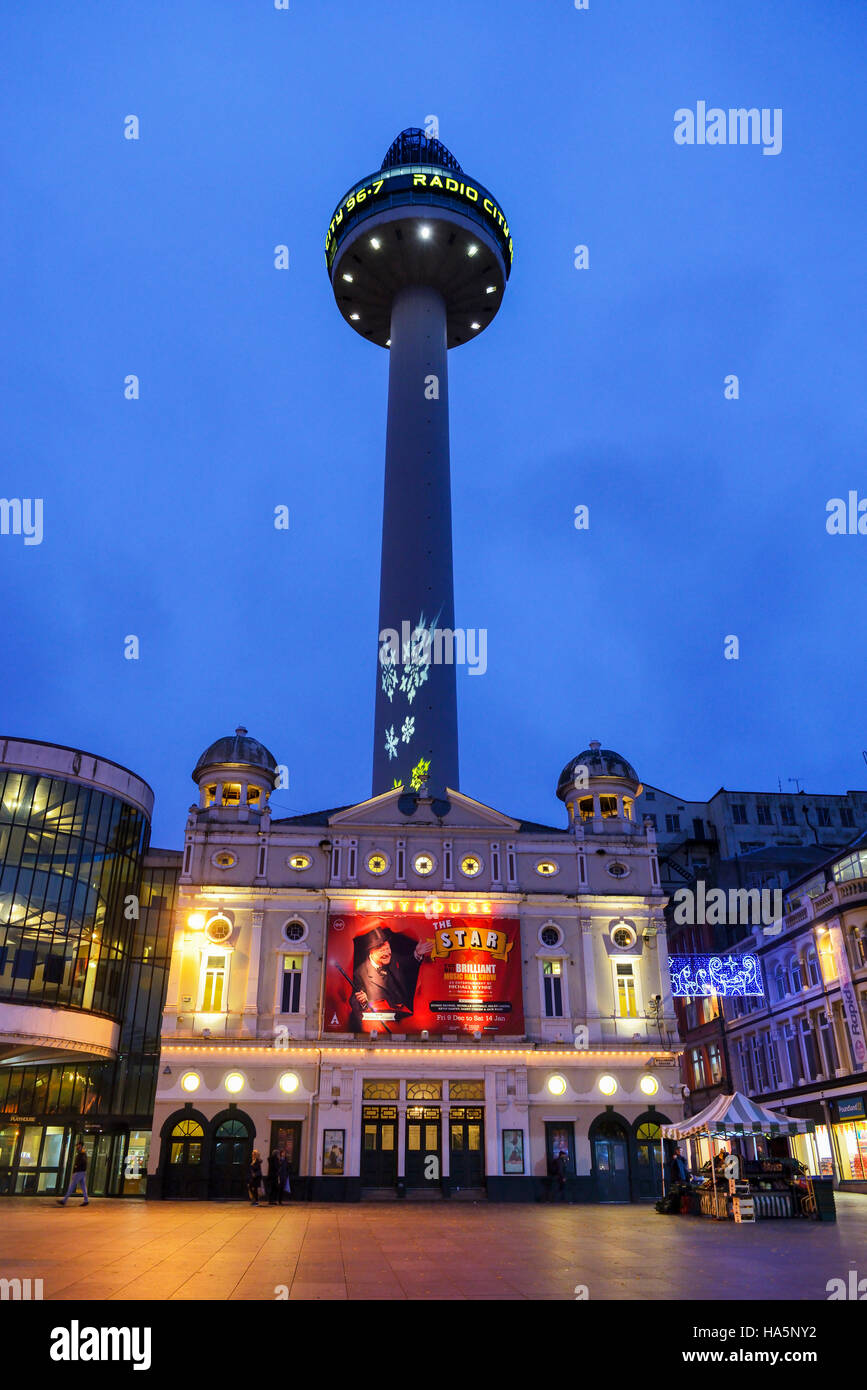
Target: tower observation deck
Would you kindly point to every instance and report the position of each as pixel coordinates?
(418, 255)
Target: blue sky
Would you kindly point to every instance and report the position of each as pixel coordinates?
(602, 387)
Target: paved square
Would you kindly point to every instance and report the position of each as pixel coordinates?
(200, 1250)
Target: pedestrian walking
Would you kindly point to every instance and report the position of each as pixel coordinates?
(561, 1167)
(285, 1185)
(273, 1176)
(79, 1176)
(254, 1177)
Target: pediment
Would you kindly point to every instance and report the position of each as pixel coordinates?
(391, 807)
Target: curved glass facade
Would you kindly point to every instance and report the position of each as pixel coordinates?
(70, 855)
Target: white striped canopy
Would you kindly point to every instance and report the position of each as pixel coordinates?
(728, 1117)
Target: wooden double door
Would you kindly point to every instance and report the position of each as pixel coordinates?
(378, 1145)
(467, 1146)
(423, 1146)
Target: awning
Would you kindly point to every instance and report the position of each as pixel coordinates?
(731, 1117)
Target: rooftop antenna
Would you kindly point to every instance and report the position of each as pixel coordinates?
(797, 781)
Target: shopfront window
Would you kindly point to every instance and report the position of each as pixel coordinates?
(851, 1140)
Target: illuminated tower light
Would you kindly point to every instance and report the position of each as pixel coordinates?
(428, 253)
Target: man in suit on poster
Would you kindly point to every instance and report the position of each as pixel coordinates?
(386, 974)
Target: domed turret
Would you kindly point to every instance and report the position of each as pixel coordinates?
(236, 771)
(599, 788)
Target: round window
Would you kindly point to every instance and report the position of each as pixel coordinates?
(377, 863)
(295, 931)
(546, 867)
(623, 936)
(618, 870)
(219, 929)
(225, 859)
(299, 861)
(423, 864)
(550, 936)
(471, 865)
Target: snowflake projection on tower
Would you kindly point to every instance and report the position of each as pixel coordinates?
(416, 658)
(405, 660)
(388, 661)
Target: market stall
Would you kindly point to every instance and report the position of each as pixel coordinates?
(749, 1185)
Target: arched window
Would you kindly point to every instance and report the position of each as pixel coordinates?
(648, 1133)
(795, 975)
(813, 973)
(781, 981)
(585, 808)
(186, 1142)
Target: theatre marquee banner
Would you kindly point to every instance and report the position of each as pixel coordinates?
(399, 973)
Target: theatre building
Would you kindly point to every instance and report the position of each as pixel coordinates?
(417, 994)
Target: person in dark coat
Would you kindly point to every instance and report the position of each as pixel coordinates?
(273, 1176)
(678, 1171)
(254, 1177)
(386, 974)
(561, 1168)
(283, 1178)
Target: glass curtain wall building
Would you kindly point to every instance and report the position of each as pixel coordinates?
(85, 917)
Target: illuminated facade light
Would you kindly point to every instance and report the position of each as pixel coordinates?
(190, 1081)
(607, 1085)
(375, 242)
(649, 1085)
(234, 1082)
(424, 232)
(196, 921)
(289, 1082)
(557, 1085)
(355, 317)
(726, 976)
(471, 250)
(348, 279)
(492, 289)
(476, 326)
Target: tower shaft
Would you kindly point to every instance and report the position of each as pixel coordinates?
(416, 574)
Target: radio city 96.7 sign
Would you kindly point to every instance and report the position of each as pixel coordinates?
(400, 973)
(428, 186)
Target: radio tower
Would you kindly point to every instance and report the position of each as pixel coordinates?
(418, 255)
